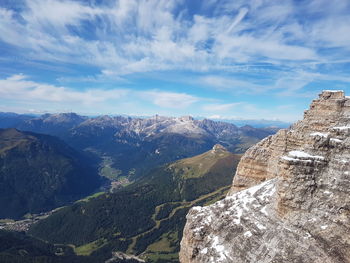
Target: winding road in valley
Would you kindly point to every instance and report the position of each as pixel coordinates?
(182, 205)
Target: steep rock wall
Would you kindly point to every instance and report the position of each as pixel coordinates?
(290, 197)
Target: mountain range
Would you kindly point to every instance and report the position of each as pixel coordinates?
(133, 146)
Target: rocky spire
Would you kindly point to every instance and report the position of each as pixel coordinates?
(290, 197)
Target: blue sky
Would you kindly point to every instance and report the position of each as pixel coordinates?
(215, 58)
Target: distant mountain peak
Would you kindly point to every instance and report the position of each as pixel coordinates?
(247, 127)
(218, 148)
(63, 117)
(186, 118)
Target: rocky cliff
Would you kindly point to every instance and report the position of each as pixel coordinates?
(290, 199)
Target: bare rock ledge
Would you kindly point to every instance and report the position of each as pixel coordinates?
(290, 198)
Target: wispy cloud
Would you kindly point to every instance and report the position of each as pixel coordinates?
(221, 107)
(21, 88)
(226, 83)
(169, 99)
(138, 36)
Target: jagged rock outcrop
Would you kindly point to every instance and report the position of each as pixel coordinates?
(290, 199)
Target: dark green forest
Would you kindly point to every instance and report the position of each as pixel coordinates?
(145, 218)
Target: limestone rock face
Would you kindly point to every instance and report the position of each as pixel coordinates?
(290, 199)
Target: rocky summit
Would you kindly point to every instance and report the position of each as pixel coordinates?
(290, 198)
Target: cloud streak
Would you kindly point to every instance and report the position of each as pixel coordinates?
(22, 89)
(129, 36)
(221, 107)
(171, 100)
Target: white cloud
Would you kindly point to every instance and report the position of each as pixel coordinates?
(22, 91)
(224, 83)
(20, 88)
(169, 99)
(139, 36)
(216, 117)
(221, 107)
(58, 14)
(123, 37)
(241, 14)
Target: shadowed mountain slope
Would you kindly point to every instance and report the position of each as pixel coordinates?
(40, 172)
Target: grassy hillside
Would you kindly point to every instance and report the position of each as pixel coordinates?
(147, 217)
